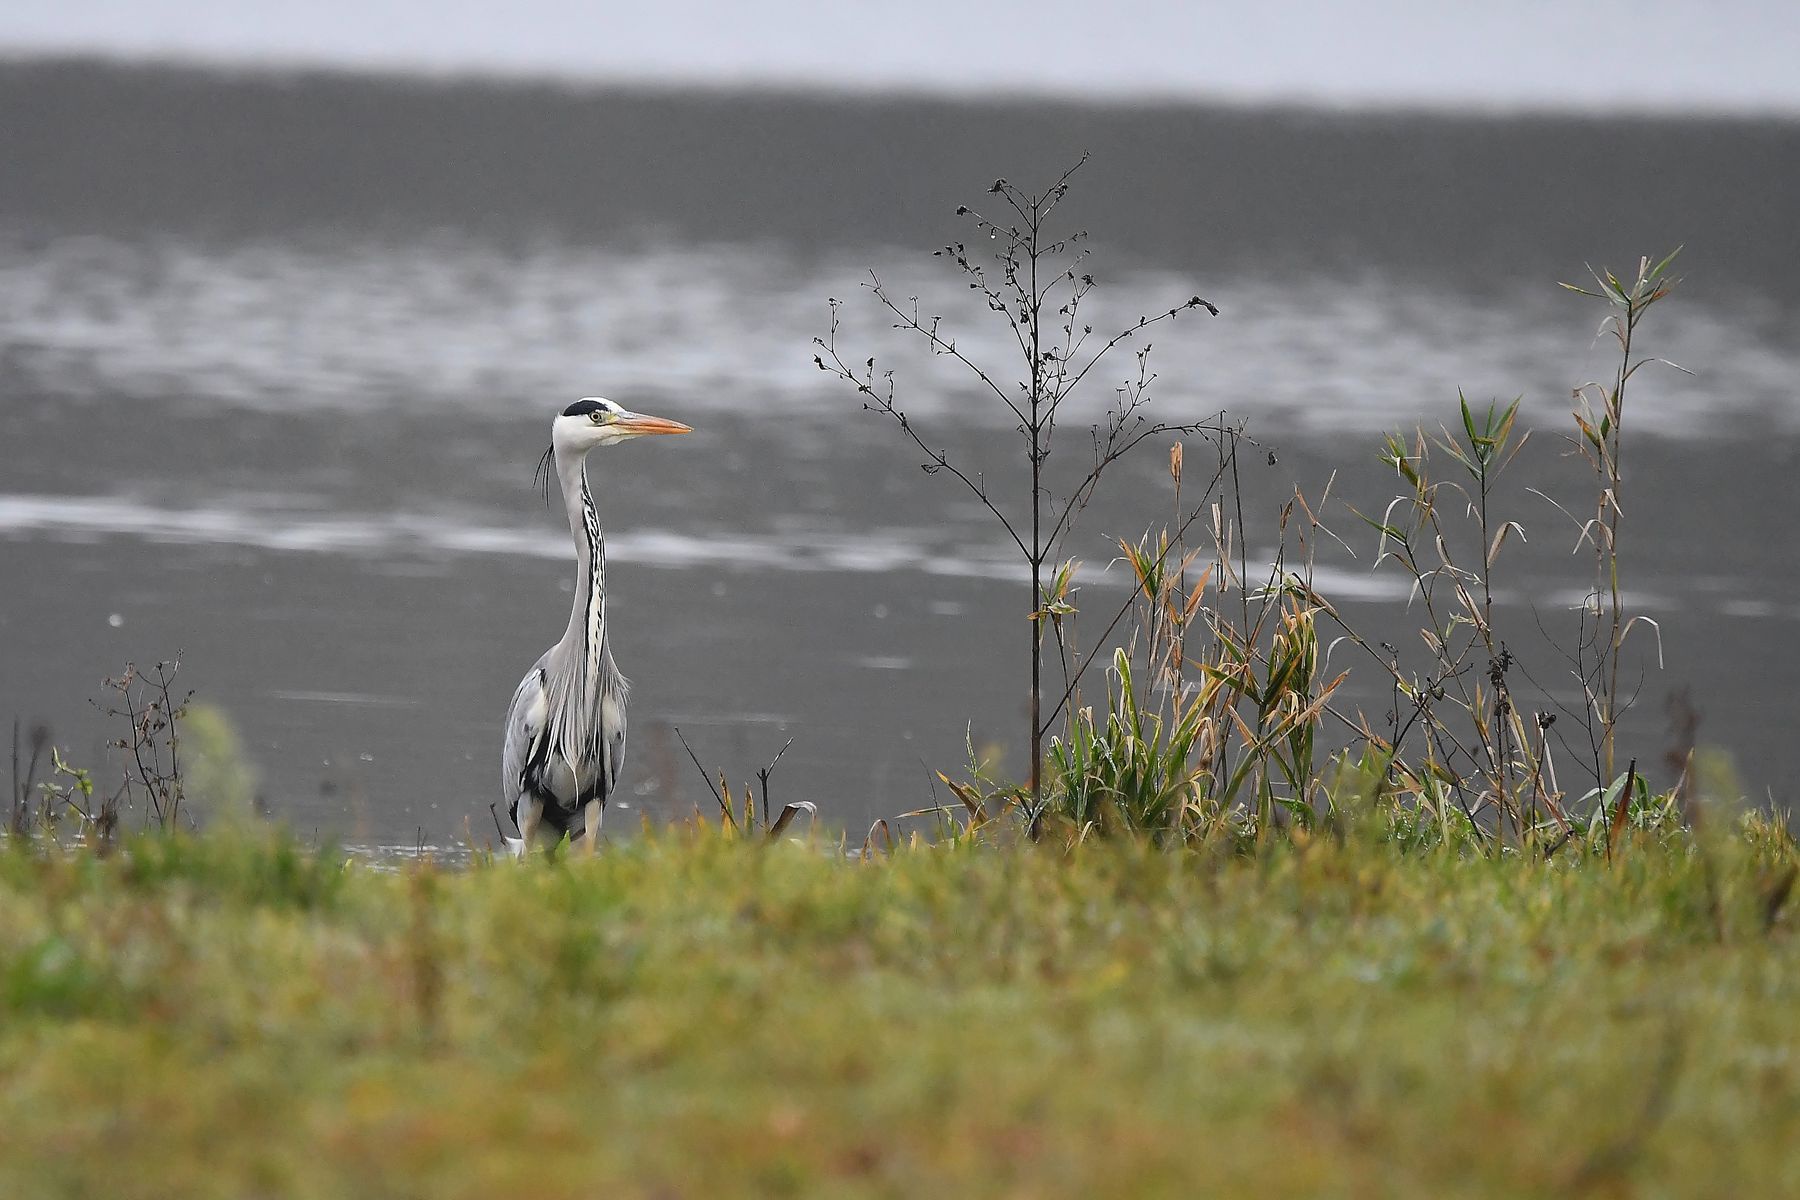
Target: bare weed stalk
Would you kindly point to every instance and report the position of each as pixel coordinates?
(149, 705)
(1035, 283)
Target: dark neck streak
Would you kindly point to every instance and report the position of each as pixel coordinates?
(586, 634)
(579, 653)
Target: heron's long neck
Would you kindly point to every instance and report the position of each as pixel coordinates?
(585, 638)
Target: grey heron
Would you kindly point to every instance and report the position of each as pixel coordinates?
(565, 729)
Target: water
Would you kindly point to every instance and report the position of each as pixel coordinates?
(277, 356)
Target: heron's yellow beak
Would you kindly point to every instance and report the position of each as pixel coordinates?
(637, 424)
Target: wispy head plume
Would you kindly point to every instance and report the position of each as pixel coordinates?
(541, 476)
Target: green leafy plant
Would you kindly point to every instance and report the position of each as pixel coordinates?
(1600, 418)
(1234, 695)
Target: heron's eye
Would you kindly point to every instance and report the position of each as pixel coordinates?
(599, 416)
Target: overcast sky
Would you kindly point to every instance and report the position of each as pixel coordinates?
(1730, 55)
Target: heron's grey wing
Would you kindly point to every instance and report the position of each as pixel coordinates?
(525, 720)
(612, 712)
(615, 753)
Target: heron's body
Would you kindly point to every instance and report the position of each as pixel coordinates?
(565, 729)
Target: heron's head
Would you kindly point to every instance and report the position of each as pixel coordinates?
(595, 421)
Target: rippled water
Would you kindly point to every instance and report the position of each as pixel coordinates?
(298, 448)
(457, 324)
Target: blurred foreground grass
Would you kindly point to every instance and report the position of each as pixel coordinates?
(687, 1016)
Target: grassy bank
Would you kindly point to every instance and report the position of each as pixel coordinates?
(692, 1016)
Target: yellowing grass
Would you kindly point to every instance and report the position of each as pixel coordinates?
(689, 1016)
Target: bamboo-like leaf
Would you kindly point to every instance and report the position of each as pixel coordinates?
(1247, 734)
(970, 798)
(1500, 539)
(1195, 596)
(1232, 679)
(1504, 429)
(868, 846)
(789, 812)
(1315, 710)
(1516, 447)
(1652, 622)
(1455, 452)
(1621, 813)
(727, 818)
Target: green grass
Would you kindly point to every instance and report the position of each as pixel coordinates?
(693, 1016)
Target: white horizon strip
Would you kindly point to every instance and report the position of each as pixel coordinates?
(354, 535)
(91, 518)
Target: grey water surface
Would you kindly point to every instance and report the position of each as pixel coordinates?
(278, 353)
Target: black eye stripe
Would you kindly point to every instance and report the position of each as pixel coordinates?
(582, 408)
